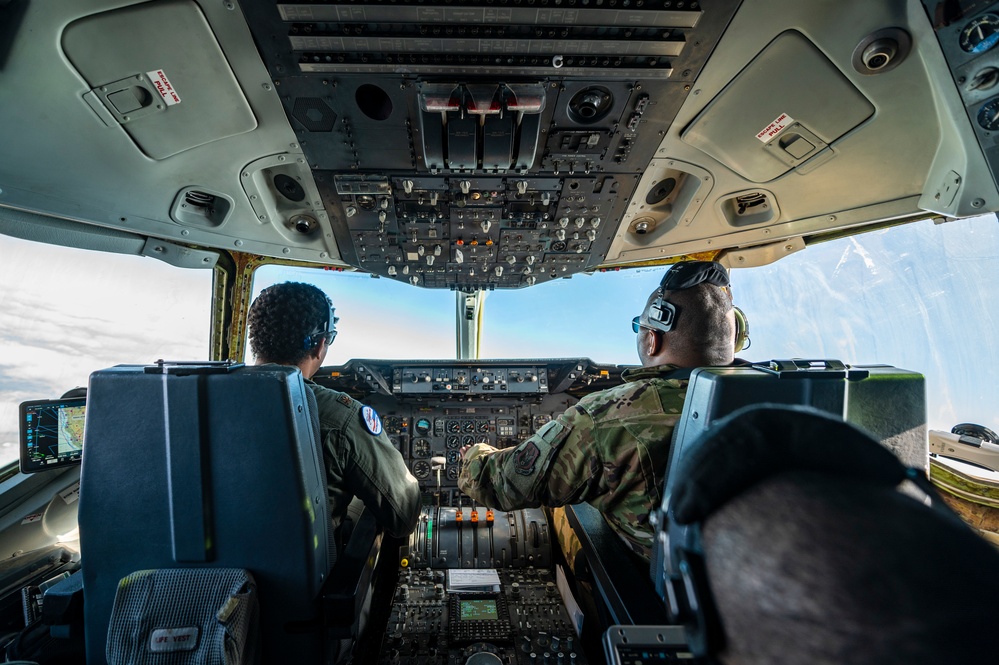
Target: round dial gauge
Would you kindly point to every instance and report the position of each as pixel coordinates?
(452, 441)
(468, 426)
(421, 469)
(483, 426)
(453, 426)
(452, 473)
(452, 457)
(422, 426)
(421, 448)
(988, 115)
(981, 34)
(482, 439)
(466, 441)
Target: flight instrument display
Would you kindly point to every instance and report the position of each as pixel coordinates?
(51, 433)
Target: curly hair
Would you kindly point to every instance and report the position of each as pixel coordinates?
(282, 317)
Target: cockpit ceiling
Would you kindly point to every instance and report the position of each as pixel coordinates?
(484, 144)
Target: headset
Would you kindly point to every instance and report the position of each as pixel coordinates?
(328, 329)
(687, 274)
(736, 453)
(742, 340)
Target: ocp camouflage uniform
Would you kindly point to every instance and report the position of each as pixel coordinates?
(609, 450)
(359, 463)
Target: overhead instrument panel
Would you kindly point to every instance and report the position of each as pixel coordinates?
(482, 144)
(968, 32)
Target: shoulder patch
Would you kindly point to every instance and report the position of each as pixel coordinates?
(525, 459)
(371, 420)
(344, 399)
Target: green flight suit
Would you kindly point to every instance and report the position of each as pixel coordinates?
(609, 450)
(362, 464)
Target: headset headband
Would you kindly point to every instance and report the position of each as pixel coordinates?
(687, 274)
(683, 275)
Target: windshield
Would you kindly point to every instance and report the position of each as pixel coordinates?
(65, 313)
(920, 297)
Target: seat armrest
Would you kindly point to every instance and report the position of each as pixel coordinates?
(347, 588)
(622, 582)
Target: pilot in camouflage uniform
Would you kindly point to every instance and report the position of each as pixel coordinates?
(611, 449)
(293, 324)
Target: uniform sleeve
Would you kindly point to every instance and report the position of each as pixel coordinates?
(376, 473)
(546, 469)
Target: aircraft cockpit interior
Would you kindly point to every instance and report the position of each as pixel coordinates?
(485, 189)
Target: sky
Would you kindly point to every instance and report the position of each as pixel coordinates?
(923, 297)
(65, 313)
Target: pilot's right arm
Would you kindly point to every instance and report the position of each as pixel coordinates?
(551, 468)
(375, 472)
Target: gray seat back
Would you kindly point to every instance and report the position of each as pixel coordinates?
(191, 467)
(888, 402)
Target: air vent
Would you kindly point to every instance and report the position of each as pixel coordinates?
(591, 105)
(746, 201)
(195, 206)
(304, 224)
(750, 208)
(199, 199)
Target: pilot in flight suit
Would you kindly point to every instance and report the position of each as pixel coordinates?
(611, 449)
(293, 324)
(362, 462)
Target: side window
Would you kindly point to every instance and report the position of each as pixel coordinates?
(67, 312)
(921, 296)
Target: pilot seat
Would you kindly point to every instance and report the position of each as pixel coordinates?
(203, 504)
(888, 402)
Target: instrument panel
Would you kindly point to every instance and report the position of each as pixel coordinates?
(968, 32)
(479, 144)
(431, 409)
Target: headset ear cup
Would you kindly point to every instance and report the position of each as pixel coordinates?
(742, 340)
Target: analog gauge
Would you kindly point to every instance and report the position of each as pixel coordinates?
(421, 469)
(452, 473)
(483, 426)
(482, 439)
(422, 426)
(468, 426)
(541, 419)
(421, 448)
(981, 34)
(452, 442)
(466, 441)
(453, 426)
(988, 115)
(453, 457)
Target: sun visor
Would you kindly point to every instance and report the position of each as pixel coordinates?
(785, 108)
(158, 71)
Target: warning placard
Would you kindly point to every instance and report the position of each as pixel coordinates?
(163, 86)
(775, 127)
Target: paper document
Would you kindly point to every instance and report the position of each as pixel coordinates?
(467, 580)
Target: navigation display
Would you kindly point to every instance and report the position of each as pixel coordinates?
(51, 433)
(478, 610)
